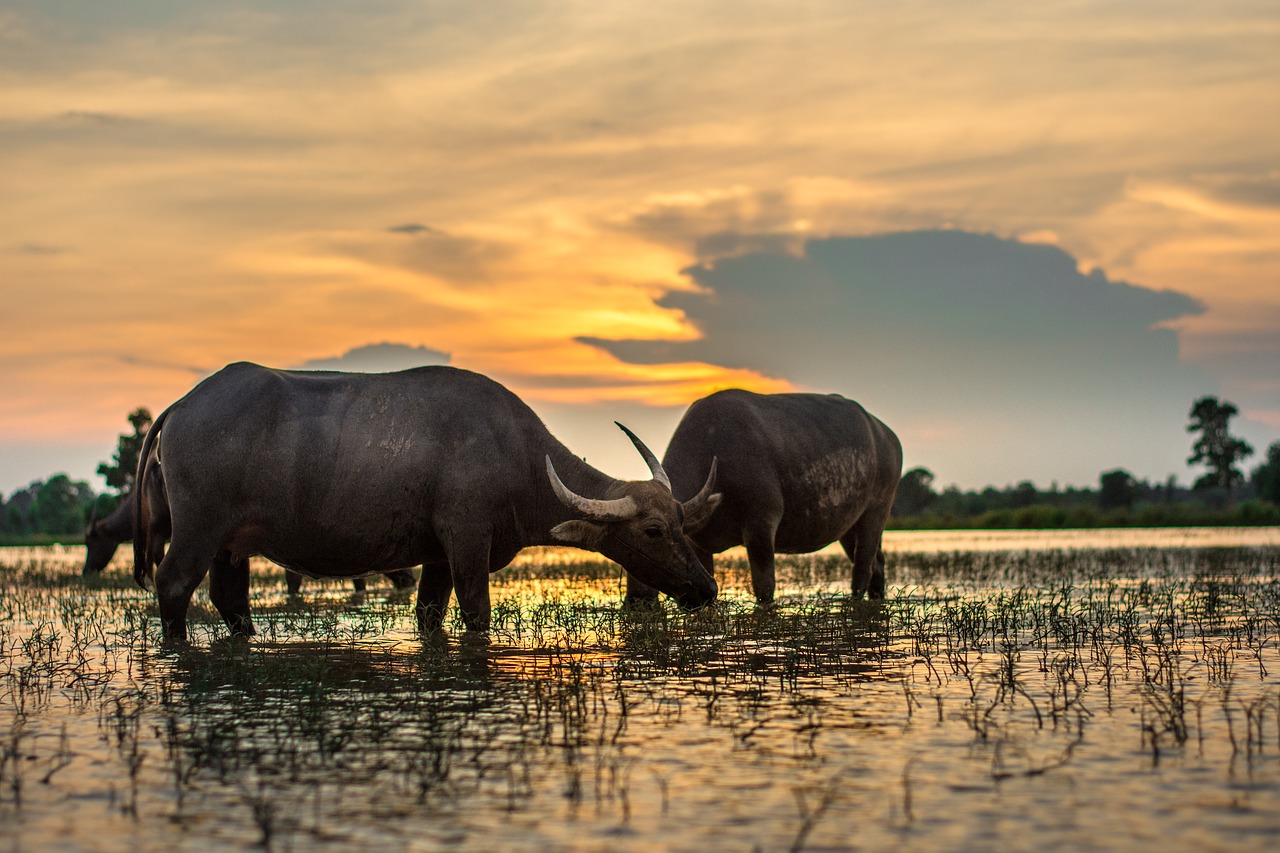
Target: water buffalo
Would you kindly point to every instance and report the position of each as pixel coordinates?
(105, 535)
(796, 471)
(322, 471)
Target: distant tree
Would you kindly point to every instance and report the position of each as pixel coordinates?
(17, 512)
(1117, 489)
(1024, 494)
(1266, 477)
(60, 505)
(120, 472)
(915, 493)
(1216, 447)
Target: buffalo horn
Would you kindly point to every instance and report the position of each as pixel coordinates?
(618, 509)
(694, 504)
(655, 467)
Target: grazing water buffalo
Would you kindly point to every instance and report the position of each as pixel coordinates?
(796, 471)
(105, 535)
(321, 471)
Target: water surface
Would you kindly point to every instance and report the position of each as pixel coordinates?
(1017, 691)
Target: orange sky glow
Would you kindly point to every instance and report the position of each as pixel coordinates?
(197, 185)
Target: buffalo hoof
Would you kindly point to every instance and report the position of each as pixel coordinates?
(175, 639)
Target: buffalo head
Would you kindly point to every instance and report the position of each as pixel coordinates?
(100, 546)
(642, 527)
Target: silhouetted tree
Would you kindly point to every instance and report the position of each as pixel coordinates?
(1266, 477)
(60, 505)
(119, 475)
(915, 493)
(17, 512)
(1117, 489)
(1024, 494)
(1216, 447)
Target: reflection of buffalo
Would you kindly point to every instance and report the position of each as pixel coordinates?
(797, 471)
(322, 471)
(104, 535)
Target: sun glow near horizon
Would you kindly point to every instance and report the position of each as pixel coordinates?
(191, 185)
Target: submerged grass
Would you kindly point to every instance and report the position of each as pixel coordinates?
(1094, 698)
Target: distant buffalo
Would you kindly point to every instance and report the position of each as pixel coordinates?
(323, 471)
(796, 471)
(105, 535)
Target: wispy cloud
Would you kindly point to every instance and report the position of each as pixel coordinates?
(379, 358)
(196, 183)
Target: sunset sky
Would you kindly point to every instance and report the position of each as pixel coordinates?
(1027, 236)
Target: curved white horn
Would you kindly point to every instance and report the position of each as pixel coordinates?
(655, 467)
(618, 509)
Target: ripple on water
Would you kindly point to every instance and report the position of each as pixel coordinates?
(1103, 696)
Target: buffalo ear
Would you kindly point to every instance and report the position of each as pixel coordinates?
(580, 533)
(695, 521)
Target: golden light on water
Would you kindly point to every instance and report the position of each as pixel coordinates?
(190, 187)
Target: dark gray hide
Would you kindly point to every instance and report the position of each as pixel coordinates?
(106, 534)
(321, 471)
(796, 471)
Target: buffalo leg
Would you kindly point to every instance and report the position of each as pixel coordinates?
(862, 544)
(434, 590)
(878, 579)
(229, 592)
(177, 577)
(469, 567)
(293, 581)
(759, 542)
(359, 584)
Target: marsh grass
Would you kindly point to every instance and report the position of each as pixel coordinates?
(988, 683)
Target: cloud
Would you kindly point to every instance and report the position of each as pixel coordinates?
(412, 228)
(379, 358)
(999, 356)
(39, 249)
(280, 182)
(90, 117)
(193, 370)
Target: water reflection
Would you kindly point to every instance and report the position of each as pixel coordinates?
(1066, 697)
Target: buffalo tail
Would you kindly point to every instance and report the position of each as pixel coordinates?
(144, 561)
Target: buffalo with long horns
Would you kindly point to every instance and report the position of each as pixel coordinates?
(323, 471)
(796, 472)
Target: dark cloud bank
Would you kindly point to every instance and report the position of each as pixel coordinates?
(994, 360)
(379, 358)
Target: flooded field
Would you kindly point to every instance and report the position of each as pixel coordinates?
(1029, 691)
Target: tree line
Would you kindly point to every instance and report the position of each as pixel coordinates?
(59, 508)
(1223, 495)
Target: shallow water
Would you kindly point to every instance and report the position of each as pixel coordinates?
(1061, 692)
